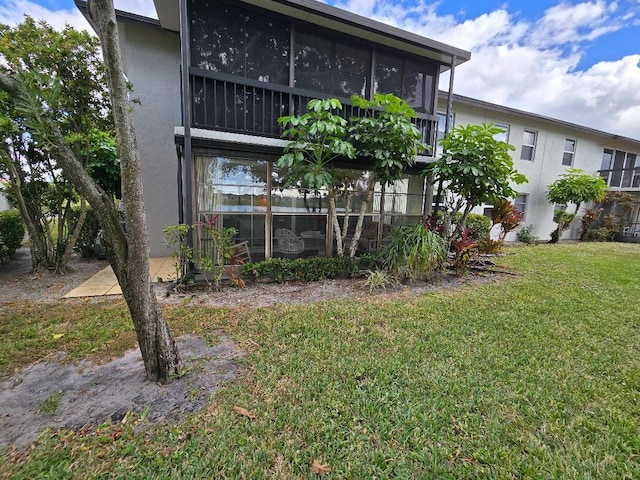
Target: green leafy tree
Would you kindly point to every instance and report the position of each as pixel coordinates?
(577, 187)
(318, 137)
(61, 73)
(128, 253)
(476, 169)
(385, 136)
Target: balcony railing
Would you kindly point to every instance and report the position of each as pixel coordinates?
(628, 178)
(224, 102)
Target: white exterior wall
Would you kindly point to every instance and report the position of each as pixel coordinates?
(4, 204)
(547, 164)
(152, 63)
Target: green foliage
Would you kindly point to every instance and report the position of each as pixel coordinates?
(476, 167)
(310, 269)
(525, 235)
(415, 253)
(563, 219)
(11, 234)
(576, 186)
(478, 226)
(175, 237)
(488, 246)
(602, 234)
(61, 78)
(385, 135)
(86, 240)
(317, 138)
(379, 280)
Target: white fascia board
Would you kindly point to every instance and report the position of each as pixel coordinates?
(229, 137)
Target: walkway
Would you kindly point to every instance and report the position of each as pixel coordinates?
(104, 282)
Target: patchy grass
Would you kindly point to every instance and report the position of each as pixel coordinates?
(51, 403)
(536, 376)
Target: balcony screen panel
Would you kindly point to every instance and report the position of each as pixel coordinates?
(607, 155)
(627, 177)
(388, 74)
(231, 40)
(313, 62)
(352, 71)
(618, 165)
(413, 85)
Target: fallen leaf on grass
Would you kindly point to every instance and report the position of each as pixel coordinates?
(58, 336)
(319, 468)
(244, 412)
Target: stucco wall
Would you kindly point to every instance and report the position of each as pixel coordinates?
(547, 164)
(152, 62)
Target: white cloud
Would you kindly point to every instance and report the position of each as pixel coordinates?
(533, 65)
(12, 12)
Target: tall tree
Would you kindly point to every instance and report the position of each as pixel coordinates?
(476, 168)
(127, 252)
(38, 53)
(577, 187)
(385, 136)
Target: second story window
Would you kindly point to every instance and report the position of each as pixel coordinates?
(504, 135)
(442, 122)
(569, 152)
(528, 145)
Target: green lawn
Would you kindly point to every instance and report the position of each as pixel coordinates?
(534, 376)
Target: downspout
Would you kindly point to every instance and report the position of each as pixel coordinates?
(447, 126)
(179, 152)
(187, 207)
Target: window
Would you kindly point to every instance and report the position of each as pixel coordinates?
(504, 136)
(442, 121)
(569, 152)
(521, 203)
(528, 145)
(559, 207)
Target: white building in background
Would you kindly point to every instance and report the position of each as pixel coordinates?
(544, 149)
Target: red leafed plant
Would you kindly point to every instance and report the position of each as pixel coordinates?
(465, 249)
(506, 215)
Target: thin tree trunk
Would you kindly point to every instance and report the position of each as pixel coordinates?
(345, 219)
(157, 346)
(73, 238)
(335, 222)
(363, 210)
(383, 193)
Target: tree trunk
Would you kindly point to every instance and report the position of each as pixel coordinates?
(363, 210)
(130, 254)
(334, 221)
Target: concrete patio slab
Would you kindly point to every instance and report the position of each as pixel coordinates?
(104, 282)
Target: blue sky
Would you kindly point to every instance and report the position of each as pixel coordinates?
(577, 60)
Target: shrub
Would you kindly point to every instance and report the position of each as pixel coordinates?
(87, 238)
(308, 269)
(488, 246)
(507, 216)
(478, 226)
(525, 235)
(465, 250)
(379, 280)
(414, 252)
(602, 234)
(11, 234)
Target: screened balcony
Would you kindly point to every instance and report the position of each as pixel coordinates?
(224, 102)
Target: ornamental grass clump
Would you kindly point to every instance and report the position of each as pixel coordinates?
(415, 253)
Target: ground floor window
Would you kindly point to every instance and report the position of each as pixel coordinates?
(273, 219)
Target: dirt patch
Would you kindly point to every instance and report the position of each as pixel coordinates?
(54, 395)
(19, 284)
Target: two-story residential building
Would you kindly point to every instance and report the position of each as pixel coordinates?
(213, 76)
(545, 147)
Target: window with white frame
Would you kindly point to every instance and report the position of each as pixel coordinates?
(521, 204)
(569, 152)
(504, 135)
(442, 120)
(528, 145)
